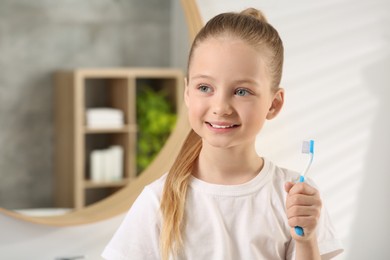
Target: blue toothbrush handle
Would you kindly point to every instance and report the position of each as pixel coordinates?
(298, 229)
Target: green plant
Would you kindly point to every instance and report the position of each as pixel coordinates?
(155, 119)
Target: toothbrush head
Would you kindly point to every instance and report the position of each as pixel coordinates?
(308, 147)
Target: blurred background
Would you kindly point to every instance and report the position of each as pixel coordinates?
(38, 38)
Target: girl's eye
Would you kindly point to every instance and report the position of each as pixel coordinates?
(204, 88)
(242, 92)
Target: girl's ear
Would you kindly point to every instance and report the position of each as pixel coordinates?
(277, 104)
(186, 98)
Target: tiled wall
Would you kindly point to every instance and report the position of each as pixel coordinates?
(36, 39)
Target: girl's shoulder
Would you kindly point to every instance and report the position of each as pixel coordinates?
(277, 172)
(156, 187)
(281, 175)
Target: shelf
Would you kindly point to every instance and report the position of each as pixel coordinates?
(95, 185)
(78, 90)
(124, 129)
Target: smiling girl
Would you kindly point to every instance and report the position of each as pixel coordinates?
(220, 199)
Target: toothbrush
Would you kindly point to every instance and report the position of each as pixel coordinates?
(308, 148)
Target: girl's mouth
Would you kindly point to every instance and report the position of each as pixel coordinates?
(221, 126)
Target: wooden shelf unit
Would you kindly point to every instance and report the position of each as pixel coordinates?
(80, 89)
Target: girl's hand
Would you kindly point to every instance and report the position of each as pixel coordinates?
(303, 205)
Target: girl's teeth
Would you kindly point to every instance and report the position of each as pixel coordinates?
(221, 126)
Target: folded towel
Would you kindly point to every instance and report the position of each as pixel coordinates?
(104, 112)
(104, 117)
(105, 124)
(107, 164)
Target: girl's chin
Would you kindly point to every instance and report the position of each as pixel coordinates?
(218, 143)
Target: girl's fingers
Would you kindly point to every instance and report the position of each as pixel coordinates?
(302, 188)
(303, 206)
(303, 211)
(306, 222)
(288, 186)
(302, 200)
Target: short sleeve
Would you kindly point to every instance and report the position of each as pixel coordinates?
(328, 242)
(138, 235)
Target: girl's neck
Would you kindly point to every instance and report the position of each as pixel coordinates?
(229, 166)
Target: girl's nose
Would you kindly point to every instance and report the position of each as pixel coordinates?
(222, 106)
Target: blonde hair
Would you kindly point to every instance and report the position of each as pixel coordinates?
(252, 27)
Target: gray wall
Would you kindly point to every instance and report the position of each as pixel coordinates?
(36, 39)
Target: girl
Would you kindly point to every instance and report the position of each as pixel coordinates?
(220, 200)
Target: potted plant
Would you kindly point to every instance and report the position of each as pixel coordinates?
(155, 119)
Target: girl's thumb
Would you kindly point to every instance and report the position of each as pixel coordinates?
(288, 186)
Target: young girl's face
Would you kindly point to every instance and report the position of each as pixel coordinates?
(228, 92)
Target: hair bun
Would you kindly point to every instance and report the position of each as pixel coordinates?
(255, 13)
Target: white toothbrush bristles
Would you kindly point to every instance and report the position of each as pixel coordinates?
(306, 147)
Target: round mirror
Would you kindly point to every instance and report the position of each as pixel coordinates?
(120, 201)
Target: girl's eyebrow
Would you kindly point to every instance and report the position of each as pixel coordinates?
(247, 81)
(236, 82)
(202, 76)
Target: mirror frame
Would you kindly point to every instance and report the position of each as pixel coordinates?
(121, 201)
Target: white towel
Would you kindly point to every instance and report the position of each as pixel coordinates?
(107, 164)
(104, 117)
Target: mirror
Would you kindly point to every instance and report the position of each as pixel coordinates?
(45, 38)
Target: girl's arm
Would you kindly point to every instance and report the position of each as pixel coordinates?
(303, 205)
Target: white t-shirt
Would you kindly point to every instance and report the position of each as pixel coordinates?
(229, 222)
